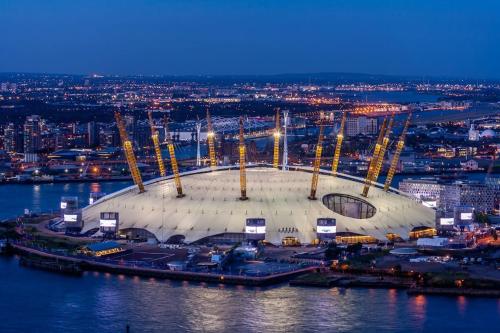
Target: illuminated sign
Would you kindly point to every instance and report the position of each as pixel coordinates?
(326, 229)
(429, 203)
(91, 201)
(466, 216)
(446, 221)
(107, 223)
(70, 218)
(64, 205)
(255, 230)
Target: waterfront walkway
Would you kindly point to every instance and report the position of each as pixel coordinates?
(94, 265)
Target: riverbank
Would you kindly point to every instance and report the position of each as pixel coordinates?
(305, 277)
(406, 281)
(454, 292)
(69, 180)
(91, 265)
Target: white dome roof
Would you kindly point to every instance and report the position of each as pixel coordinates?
(211, 206)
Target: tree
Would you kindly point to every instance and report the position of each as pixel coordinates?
(332, 251)
(354, 248)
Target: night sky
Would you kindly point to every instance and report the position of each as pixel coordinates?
(458, 38)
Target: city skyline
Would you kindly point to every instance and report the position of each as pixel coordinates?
(449, 38)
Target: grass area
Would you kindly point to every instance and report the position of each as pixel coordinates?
(59, 243)
(313, 278)
(36, 219)
(458, 279)
(365, 261)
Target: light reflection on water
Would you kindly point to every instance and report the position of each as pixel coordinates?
(106, 303)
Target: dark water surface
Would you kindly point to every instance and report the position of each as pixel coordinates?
(38, 301)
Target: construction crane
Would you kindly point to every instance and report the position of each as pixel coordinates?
(243, 175)
(173, 161)
(397, 153)
(277, 134)
(317, 163)
(129, 153)
(210, 139)
(340, 138)
(156, 144)
(377, 160)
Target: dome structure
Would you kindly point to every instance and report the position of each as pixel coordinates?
(212, 207)
(488, 133)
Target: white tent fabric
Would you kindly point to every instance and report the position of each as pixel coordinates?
(211, 206)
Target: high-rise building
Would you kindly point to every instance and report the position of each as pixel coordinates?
(32, 138)
(130, 125)
(10, 138)
(92, 134)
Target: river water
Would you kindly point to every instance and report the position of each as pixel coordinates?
(38, 301)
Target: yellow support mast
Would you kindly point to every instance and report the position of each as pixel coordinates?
(210, 139)
(317, 163)
(277, 134)
(383, 149)
(376, 150)
(173, 161)
(340, 138)
(378, 160)
(243, 175)
(129, 153)
(397, 153)
(156, 144)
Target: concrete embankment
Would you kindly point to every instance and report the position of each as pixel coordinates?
(454, 292)
(328, 280)
(91, 265)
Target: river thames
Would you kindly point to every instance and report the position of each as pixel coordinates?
(39, 301)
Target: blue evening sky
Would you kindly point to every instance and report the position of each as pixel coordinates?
(459, 38)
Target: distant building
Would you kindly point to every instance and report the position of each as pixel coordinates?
(142, 136)
(469, 165)
(488, 134)
(421, 188)
(130, 125)
(109, 138)
(450, 194)
(92, 134)
(32, 138)
(11, 139)
(361, 125)
(473, 133)
(492, 181)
